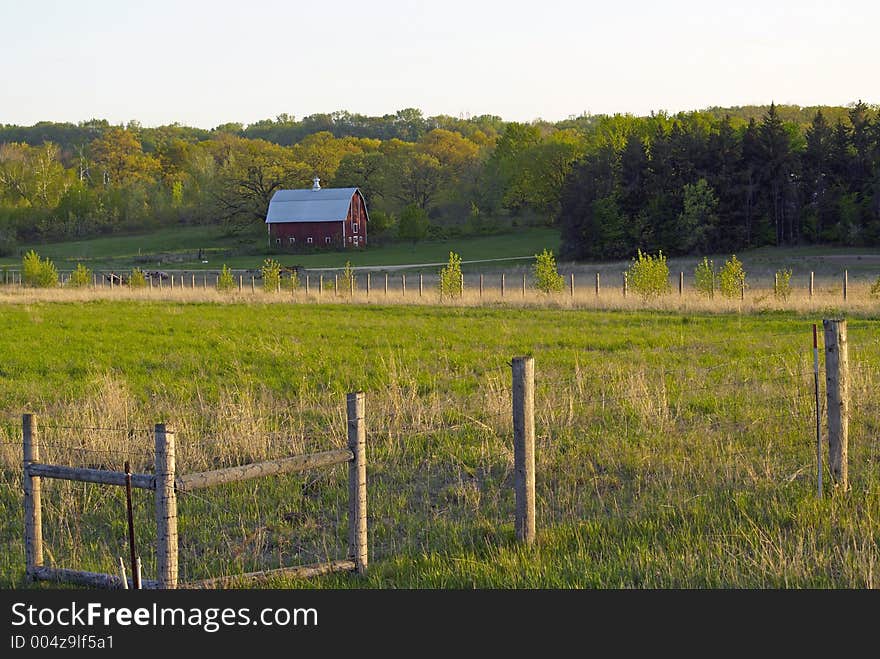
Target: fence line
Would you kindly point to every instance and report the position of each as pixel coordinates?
(165, 483)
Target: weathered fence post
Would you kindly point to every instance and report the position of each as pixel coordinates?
(192, 283)
(351, 281)
(357, 481)
(776, 283)
(625, 283)
(680, 283)
(597, 284)
(308, 285)
(481, 285)
(403, 284)
(524, 447)
(837, 399)
(845, 282)
(253, 283)
(368, 284)
(166, 508)
(33, 513)
(336, 284)
(502, 284)
(420, 285)
(524, 285)
(571, 284)
(320, 285)
(811, 283)
(461, 285)
(240, 278)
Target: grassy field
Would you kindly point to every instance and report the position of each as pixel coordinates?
(179, 249)
(674, 449)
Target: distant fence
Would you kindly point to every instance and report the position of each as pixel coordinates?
(413, 285)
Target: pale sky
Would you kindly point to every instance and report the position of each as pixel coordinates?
(203, 63)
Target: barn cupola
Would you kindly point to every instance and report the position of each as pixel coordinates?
(316, 183)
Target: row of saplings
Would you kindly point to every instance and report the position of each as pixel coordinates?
(647, 276)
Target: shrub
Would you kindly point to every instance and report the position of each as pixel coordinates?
(783, 284)
(292, 282)
(704, 277)
(38, 273)
(225, 282)
(271, 271)
(137, 279)
(732, 278)
(80, 277)
(649, 275)
(875, 288)
(413, 224)
(451, 278)
(547, 278)
(348, 280)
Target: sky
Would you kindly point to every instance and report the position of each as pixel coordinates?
(203, 63)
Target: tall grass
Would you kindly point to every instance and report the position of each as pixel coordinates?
(674, 450)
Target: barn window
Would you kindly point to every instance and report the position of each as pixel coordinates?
(327, 240)
(309, 240)
(292, 240)
(355, 227)
(278, 241)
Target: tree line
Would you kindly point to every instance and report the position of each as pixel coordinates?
(613, 183)
(701, 184)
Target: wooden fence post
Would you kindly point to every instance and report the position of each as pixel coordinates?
(357, 481)
(253, 283)
(845, 282)
(368, 284)
(502, 284)
(481, 285)
(386, 284)
(524, 285)
(625, 283)
(597, 284)
(320, 285)
(403, 284)
(837, 399)
(524, 447)
(571, 284)
(811, 283)
(166, 508)
(680, 283)
(336, 284)
(461, 285)
(240, 277)
(351, 285)
(33, 512)
(420, 285)
(308, 285)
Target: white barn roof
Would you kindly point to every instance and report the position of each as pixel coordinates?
(323, 205)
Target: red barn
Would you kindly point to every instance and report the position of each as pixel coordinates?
(317, 218)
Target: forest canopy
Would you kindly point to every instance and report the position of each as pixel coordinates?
(715, 179)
